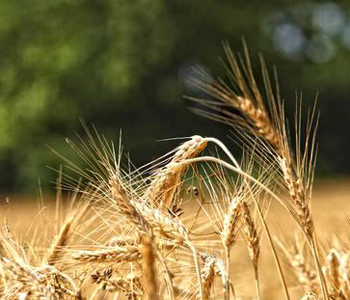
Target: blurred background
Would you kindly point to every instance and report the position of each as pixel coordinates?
(127, 64)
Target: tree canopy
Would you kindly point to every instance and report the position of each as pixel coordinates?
(126, 64)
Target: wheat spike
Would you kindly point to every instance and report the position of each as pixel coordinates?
(309, 296)
(208, 276)
(163, 186)
(55, 252)
(306, 276)
(252, 236)
(231, 219)
(109, 255)
(27, 279)
(298, 196)
(124, 205)
(334, 274)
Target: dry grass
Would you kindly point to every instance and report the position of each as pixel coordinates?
(229, 229)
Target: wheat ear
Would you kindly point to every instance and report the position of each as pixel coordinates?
(248, 100)
(220, 269)
(298, 196)
(228, 235)
(124, 206)
(253, 241)
(231, 220)
(163, 186)
(309, 296)
(111, 255)
(55, 251)
(18, 273)
(208, 276)
(132, 288)
(306, 276)
(334, 274)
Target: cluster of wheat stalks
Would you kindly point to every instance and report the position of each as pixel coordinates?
(167, 230)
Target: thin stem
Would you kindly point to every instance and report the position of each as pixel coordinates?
(314, 249)
(273, 249)
(198, 270)
(313, 245)
(257, 283)
(227, 282)
(167, 276)
(95, 294)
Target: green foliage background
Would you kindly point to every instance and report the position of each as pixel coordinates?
(125, 64)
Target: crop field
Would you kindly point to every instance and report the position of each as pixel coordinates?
(331, 207)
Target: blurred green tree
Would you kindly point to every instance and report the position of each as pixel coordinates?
(126, 64)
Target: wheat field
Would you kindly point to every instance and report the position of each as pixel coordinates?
(331, 207)
(197, 223)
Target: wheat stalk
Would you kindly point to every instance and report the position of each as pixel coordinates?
(149, 268)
